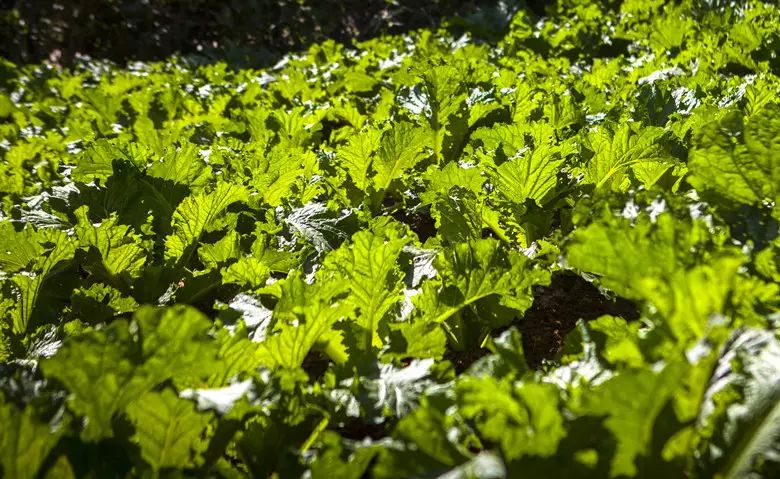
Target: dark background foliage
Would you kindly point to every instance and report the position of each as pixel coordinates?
(244, 31)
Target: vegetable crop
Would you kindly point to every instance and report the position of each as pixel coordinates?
(424, 255)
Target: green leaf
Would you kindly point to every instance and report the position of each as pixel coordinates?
(442, 180)
(457, 201)
(369, 265)
(181, 165)
(742, 405)
(105, 370)
(475, 270)
(196, 213)
(631, 403)
(296, 127)
(304, 317)
(25, 441)
(100, 303)
(18, 250)
(620, 340)
(458, 215)
(334, 461)
(416, 339)
(533, 175)
(289, 346)
(223, 251)
(55, 247)
(651, 262)
(446, 92)
(446, 111)
(613, 153)
(237, 354)
(96, 163)
(169, 431)
(357, 155)
(247, 271)
(426, 447)
(120, 250)
(523, 419)
(738, 158)
(508, 139)
(274, 176)
(401, 148)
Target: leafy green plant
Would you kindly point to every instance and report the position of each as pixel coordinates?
(420, 256)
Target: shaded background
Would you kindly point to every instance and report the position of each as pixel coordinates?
(245, 32)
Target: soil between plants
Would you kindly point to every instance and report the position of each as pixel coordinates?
(556, 310)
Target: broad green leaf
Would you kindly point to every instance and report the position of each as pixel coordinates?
(56, 247)
(226, 249)
(615, 152)
(475, 270)
(120, 250)
(289, 346)
(738, 158)
(651, 262)
(533, 175)
(357, 156)
(426, 447)
(369, 265)
(96, 163)
(25, 441)
(275, 175)
(99, 374)
(181, 165)
(523, 419)
(176, 342)
(416, 339)
(107, 369)
(446, 92)
(169, 431)
(296, 127)
(510, 139)
(12, 169)
(196, 213)
(623, 254)
(458, 215)
(457, 201)
(620, 338)
(100, 303)
(18, 249)
(237, 353)
(442, 180)
(304, 317)
(631, 403)
(334, 461)
(247, 271)
(448, 119)
(265, 250)
(742, 407)
(400, 149)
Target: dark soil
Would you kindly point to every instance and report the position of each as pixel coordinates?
(419, 221)
(462, 360)
(554, 314)
(239, 31)
(556, 310)
(358, 430)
